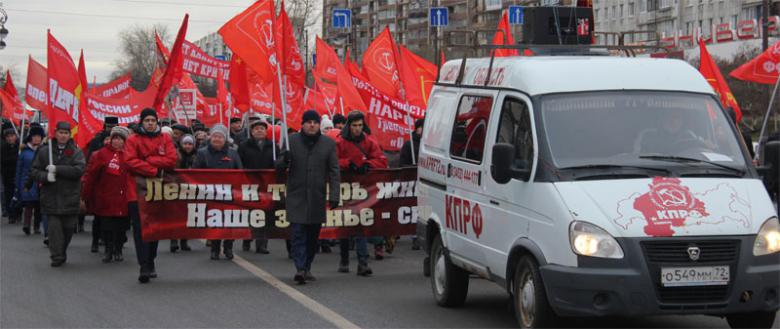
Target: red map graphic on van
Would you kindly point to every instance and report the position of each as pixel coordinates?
(668, 204)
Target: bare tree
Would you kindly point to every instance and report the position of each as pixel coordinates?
(139, 53)
(303, 15)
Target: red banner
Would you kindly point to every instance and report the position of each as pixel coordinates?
(197, 62)
(64, 87)
(765, 68)
(228, 204)
(36, 86)
(118, 88)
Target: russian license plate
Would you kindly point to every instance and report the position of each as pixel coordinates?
(694, 276)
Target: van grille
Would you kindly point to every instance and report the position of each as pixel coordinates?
(660, 253)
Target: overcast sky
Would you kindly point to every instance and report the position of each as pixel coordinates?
(94, 25)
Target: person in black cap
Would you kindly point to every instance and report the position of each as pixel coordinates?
(237, 134)
(339, 121)
(8, 156)
(258, 153)
(179, 130)
(60, 181)
(313, 165)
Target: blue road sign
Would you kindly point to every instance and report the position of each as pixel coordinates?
(439, 16)
(221, 57)
(342, 18)
(516, 14)
(314, 59)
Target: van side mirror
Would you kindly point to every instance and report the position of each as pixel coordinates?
(503, 167)
(771, 168)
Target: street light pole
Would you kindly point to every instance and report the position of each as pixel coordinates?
(765, 25)
(3, 30)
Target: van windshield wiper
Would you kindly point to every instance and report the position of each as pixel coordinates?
(687, 159)
(614, 166)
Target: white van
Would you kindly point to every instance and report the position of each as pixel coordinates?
(594, 186)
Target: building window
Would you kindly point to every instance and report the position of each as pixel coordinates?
(630, 9)
(652, 5)
(621, 10)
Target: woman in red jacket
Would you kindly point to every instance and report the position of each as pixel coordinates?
(104, 192)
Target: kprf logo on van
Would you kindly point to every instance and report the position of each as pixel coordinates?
(668, 204)
(462, 214)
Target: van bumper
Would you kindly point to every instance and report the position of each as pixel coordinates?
(631, 286)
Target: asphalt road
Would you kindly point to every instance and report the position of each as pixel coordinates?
(195, 292)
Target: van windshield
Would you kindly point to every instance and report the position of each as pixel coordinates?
(640, 129)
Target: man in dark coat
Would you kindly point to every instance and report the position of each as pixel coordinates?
(313, 165)
(413, 145)
(258, 153)
(9, 155)
(61, 189)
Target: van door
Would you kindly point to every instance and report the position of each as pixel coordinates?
(466, 192)
(509, 206)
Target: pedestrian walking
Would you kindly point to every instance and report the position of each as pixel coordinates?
(185, 160)
(258, 153)
(313, 166)
(26, 188)
(149, 153)
(409, 153)
(9, 155)
(358, 153)
(218, 155)
(104, 191)
(60, 181)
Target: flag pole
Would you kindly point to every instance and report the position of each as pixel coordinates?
(283, 94)
(21, 135)
(761, 140)
(341, 103)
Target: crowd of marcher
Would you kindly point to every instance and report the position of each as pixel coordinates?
(50, 185)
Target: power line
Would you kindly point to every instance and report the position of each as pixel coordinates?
(181, 3)
(111, 16)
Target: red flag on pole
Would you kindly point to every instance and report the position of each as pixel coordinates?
(711, 72)
(64, 87)
(239, 86)
(12, 105)
(173, 70)
(83, 135)
(418, 76)
(330, 71)
(504, 37)
(380, 63)
(763, 69)
(293, 72)
(250, 35)
(37, 84)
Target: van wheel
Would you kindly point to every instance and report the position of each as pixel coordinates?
(751, 320)
(530, 299)
(449, 283)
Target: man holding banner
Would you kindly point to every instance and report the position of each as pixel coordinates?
(313, 166)
(148, 152)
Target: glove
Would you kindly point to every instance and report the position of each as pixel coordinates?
(333, 204)
(354, 168)
(51, 177)
(364, 169)
(51, 169)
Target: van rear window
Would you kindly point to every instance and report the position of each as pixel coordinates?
(470, 129)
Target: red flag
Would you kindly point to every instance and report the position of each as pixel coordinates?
(83, 135)
(223, 98)
(239, 86)
(250, 35)
(64, 87)
(12, 105)
(418, 76)
(117, 88)
(173, 70)
(293, 72)
(316, 101)
(505, 37)
(711, 72)
(380, 63)
(763, 69)
(37, 81)
(330, 71)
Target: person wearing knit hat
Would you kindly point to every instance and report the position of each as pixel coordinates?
(257, 152)
(179, 130)
(28, 194)
(104, 191)
(8, 156)
(218, 155)
(187, 150)
(167, 130)
(313, 165)
(326, 124)
(149, 154)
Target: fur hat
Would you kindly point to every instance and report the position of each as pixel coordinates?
(120, 131)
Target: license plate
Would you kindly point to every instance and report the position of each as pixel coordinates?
(694, 276)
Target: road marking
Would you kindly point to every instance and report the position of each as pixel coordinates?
(314, 306)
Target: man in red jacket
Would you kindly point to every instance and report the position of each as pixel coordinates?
(358, 152)
(148, 154)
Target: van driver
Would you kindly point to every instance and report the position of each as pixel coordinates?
(671, 137)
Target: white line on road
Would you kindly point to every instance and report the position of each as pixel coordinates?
(314, 306)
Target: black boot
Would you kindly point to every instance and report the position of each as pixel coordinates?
(343, 266)
(108, 256)
(214, 255)
(364, 270)
(95, 246)
(118, 256)
(174, 246)
(246, 245)
(300, 277)
(228, 253)
(185, 246)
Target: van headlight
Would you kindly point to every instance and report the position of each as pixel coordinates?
(590, 240)
(768, 238)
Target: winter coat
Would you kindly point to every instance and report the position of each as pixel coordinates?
(96, 143)
(23, 165)
(186, 160)
(210, 158)
(311, 168)
(359, 150)
(145, 154)
(104, 187)
(252, 157)
(406, 152)
(63, 196)
(9, 155)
